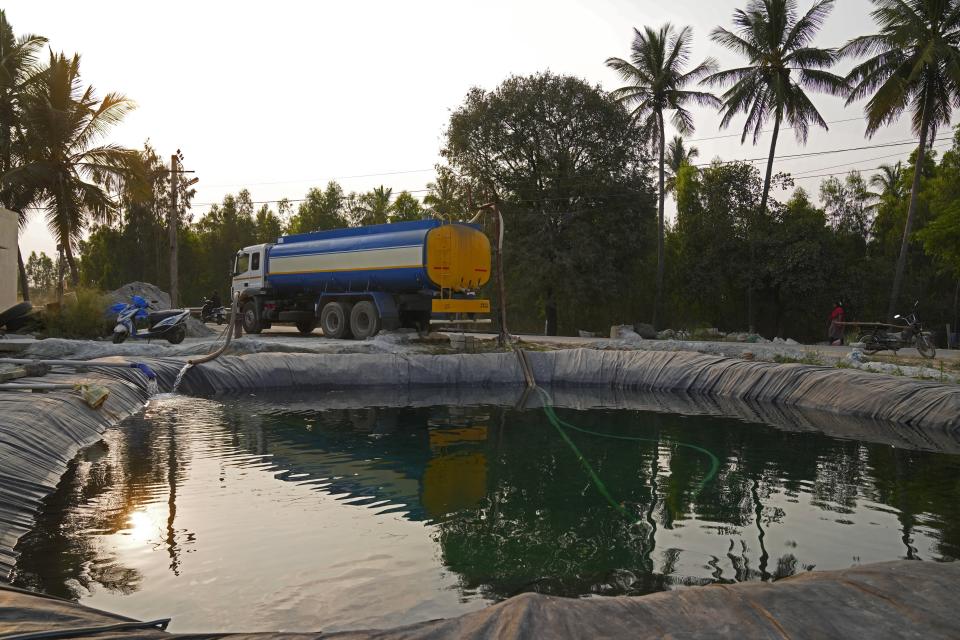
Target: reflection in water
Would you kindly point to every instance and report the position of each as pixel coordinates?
(247, 514)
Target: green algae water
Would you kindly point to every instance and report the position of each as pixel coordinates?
(273, 513)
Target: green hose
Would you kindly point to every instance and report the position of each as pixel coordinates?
(560, 426)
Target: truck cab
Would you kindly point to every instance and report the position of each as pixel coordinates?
(248, 270)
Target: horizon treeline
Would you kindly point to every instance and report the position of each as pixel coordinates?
(582, 175)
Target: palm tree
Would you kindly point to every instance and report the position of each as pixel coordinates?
(18, 70)
(678, 155)
(373, 207)
(781, 66)
(889, 182)
(657, 81)
(915, 66)
(63, 158)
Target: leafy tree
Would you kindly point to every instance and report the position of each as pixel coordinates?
(320, 210)
(715, 205)
(18, 70)
(135, 245)
(941, 238)
(848, 204)
(915, 66)
(406, 208)
(268, 226)
(62, 157)
(657, 83)
(803, 262)
(41, 272)
(217, 236)
(678, 155)
(562, 159)
(781, 66)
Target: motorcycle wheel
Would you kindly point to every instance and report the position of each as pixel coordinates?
(925, 347)
(176, 335)
(870, 347)
(119, 337)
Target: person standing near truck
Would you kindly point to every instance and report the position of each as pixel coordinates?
(835, 332)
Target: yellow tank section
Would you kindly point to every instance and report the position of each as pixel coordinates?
(458, 257)
(454, 479)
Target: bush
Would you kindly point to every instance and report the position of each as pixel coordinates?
(81, 315)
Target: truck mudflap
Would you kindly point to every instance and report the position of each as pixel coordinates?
(460, 305)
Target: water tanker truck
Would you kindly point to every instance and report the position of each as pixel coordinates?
(355, 282)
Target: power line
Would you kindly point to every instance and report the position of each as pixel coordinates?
(811, 154)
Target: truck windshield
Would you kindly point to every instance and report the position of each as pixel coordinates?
(243, 263)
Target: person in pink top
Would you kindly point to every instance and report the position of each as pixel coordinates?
(835, 332)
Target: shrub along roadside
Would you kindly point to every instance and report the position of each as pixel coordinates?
(81, 315)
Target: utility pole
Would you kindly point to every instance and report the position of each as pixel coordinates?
(172, 228)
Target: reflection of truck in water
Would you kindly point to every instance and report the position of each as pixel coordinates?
(357, 281)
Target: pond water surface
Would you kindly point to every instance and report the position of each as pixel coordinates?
(270, 513)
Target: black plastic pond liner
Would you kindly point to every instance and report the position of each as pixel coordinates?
(904, 599)
(854, 393)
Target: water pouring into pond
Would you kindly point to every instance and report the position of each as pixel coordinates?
(183, 372)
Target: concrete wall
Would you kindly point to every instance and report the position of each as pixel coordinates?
(8, 259)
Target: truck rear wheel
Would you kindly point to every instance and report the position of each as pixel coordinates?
(364, 320)
(251, 319)
(335, 320)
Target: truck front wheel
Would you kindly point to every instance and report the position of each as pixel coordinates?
(335, 320)
(251, 319)
(364, 320)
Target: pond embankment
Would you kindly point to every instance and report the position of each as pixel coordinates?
(904, 599)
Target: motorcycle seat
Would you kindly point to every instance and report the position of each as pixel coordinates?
(157, 316)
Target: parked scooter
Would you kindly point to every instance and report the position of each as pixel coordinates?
(211, 311)
(169, 325)
(910, 334)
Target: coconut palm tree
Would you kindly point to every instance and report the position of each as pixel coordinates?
(781, 66)
(914, 66)
(18, 70)
(63, 157)
(657, 82)
(678, 155)
(889, 182)
(373, 207)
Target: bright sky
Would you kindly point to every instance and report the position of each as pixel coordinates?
(282, 96)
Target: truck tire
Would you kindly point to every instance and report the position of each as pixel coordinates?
(335, 320)
(251, 319)
(306, 327)
(364, 320)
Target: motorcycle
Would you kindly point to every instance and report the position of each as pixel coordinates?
(910, 334)
(169, 325)
(211, 313)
